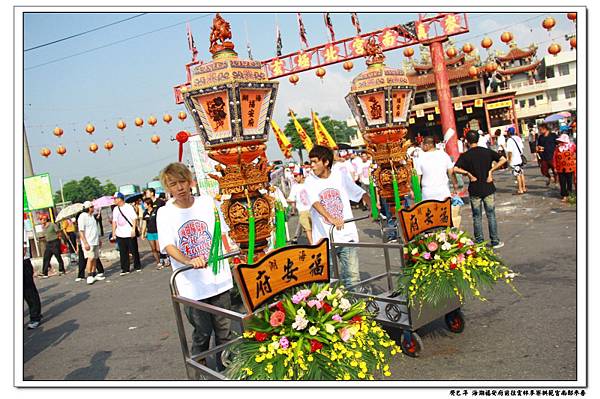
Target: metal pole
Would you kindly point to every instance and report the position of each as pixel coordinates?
(62, 195)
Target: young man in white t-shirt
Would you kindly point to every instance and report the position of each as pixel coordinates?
(299, 198)
(514, 149)
(185, 232)
(433, 169)
(330, 193)
(90, 240)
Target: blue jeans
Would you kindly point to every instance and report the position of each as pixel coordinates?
(347, 258)
(490, 212)
(391, 221)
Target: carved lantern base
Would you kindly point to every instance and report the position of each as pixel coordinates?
(241, 184)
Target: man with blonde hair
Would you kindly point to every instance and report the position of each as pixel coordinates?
(185, 232)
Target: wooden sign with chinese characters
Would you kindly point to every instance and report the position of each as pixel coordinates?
(426, 215)
(282, 269)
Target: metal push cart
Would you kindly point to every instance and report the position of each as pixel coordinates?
(390, 307)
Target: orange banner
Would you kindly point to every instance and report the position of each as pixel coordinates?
(426, 215)
(304, 137)
(280, 270)
(284, 144)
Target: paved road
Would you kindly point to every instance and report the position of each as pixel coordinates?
(123, 328)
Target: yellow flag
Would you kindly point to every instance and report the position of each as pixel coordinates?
(282, 140)
(304, 137)
(321, 134)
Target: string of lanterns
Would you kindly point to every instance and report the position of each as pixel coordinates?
(108, 144)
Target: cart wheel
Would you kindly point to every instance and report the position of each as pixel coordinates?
(455, 321)
(411, 344)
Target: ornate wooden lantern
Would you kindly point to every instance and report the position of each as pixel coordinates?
(231, 101)
(379, 100)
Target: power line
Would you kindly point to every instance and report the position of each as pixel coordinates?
(83, 33)
(113, 43)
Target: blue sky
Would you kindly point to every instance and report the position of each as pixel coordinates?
(128, 70)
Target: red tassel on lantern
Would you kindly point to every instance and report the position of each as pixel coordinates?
(182, 138)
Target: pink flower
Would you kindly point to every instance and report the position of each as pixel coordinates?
(277, 319)
(314, 303)
(453, 236)
(336, 317)
(284, 342)
(345, 334)
(426, 255)
(300, 296)
(469, 252)
(432, 246)
(460, 258)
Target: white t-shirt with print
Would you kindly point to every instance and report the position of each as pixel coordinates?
(365, 172)
(433, 166)
(299, 196)
(513, 145)
(124, 229)
(191, 230)
(345, 167)
(334, 193)
(358, 165)
(87, 223)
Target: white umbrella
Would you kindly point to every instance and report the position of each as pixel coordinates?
(69, 211)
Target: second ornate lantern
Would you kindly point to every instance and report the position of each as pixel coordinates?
(379, 100)
(231, 101)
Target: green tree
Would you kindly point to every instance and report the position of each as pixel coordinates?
(86, 189)
(339, 131)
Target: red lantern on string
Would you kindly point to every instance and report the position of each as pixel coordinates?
(61, 150)
(408, 52)
(320, 72)
(108, 145)
(152, 121)
(93, 147)
(121, 125)
(182, 115)
(506, 37)
(182, 138)
(554, 49)
(473, 71)
(58, 132)
(139, 122)
(548, 23)
(90, 128)
(348, 65)
(294, 79)
(486, 43)
(155, 139)
(573, 42)
(45, 152)
(467, 48)
(572, 16)
(451, 52)
(167, 118)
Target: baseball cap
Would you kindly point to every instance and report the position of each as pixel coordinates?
(43, 216)
(510, 130)
(119, 195)
(87, 204)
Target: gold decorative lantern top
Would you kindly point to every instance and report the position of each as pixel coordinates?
(379, 97)
(231, 100)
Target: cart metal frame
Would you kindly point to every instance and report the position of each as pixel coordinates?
(390, 307)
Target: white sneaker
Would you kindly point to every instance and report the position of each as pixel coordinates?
(90, 280)
(123, 273)
(99, 277)
(32, 325)
(499, 245)
(78, 279)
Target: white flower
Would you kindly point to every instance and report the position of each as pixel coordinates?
(300, 323)
(301, 312)
(275, 345)
(329, 328)
(463, 240)
(321, 295)
(453, 259)
(313, 330)
(442, 237)
(345, 304)
(446, 246)
(436, 257)
(405, 250)
(414, 251)
(335, 303)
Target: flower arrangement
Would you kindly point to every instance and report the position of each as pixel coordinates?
(447, 263)
(314, 334)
